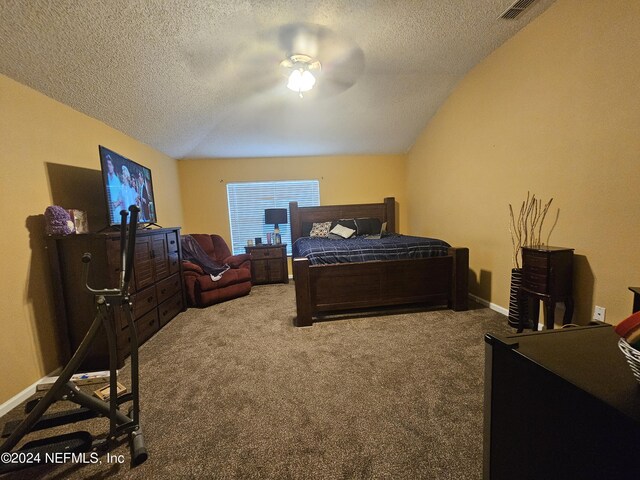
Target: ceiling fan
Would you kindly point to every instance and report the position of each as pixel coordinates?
(301, 70)
(307, 58)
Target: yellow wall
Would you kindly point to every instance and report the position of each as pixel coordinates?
(343, 179)
(555, 111)
(47, 149)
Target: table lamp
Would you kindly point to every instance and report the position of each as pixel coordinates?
(275, 216)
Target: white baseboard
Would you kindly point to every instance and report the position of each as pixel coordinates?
(497, 308)
(17, 399)
(492, 306)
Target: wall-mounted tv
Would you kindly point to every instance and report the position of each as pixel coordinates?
(126, 183)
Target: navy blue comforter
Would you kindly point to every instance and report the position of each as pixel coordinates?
(321, 251)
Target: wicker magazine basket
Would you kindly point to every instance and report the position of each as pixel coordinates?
(633, 357)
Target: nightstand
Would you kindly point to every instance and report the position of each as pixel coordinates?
(547, 276)
(268, 263)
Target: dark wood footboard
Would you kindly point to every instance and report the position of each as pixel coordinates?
(330, 288)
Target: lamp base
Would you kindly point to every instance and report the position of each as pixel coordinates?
(277, 239)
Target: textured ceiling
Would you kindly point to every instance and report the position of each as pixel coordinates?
(200, 78)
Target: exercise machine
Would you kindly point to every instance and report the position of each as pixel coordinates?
(43, 450)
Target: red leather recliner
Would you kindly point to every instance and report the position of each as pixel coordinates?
(201, 290)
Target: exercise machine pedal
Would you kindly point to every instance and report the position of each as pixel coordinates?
(54, 420)
(44, 450)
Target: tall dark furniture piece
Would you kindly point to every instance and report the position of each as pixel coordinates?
(636, 298)
(156, 290)
(559, 405)
(547, 275)
(268, 263)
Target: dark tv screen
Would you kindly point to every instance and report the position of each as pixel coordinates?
(126, 183)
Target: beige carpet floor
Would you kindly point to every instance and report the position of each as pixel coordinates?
(235, 391)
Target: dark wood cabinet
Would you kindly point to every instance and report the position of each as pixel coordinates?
(636, 299)
(547, 276)
(156, 289)
(559, 404)
(269, 263)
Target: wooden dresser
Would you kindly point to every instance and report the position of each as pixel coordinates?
(269, 263)
(547, 276)
(157, 292)
(560, 405)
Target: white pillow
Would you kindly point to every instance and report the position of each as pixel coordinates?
(342, 231)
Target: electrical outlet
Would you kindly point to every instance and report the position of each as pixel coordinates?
(599, 313)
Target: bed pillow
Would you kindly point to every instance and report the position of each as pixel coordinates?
(345, 222)
(320, 229)
(368, 226)
(342, 232)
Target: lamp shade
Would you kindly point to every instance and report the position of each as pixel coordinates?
(275, 216)
(301, 81)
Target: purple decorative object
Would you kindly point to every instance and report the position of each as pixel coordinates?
(58, 221)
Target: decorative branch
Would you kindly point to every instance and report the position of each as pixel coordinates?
(515, 237)
(526, 230)
(554, 225)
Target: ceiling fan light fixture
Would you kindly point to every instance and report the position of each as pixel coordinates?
(299, 70)
(301, 80)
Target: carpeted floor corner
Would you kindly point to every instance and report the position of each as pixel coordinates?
(235, 391)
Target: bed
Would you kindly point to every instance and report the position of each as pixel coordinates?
(323, 289)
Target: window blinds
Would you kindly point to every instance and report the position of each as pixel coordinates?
(248, 201)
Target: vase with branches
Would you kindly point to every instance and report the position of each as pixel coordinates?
(526, 228)
(526, 231)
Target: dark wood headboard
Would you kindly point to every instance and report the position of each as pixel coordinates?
(385, 211)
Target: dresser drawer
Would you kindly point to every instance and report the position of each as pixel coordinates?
(534, 259)
(534, 282)
(168, 287)
(260, 253)
(174, 263)
(172, 242)
(144, 301)
(537, 270)
(146, 326)
(170, 308)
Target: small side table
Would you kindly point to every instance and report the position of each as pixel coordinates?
(268, 263)
(547, 275)
(636, 298)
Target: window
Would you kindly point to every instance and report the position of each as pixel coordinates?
(248, 201)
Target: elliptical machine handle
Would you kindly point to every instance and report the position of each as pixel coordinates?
(127, 245)
(123, 240)
(131, 243)
(86, 259)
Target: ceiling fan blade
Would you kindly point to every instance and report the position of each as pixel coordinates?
(254, 65)
(300, 38)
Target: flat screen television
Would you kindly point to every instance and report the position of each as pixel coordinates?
(126, 183)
